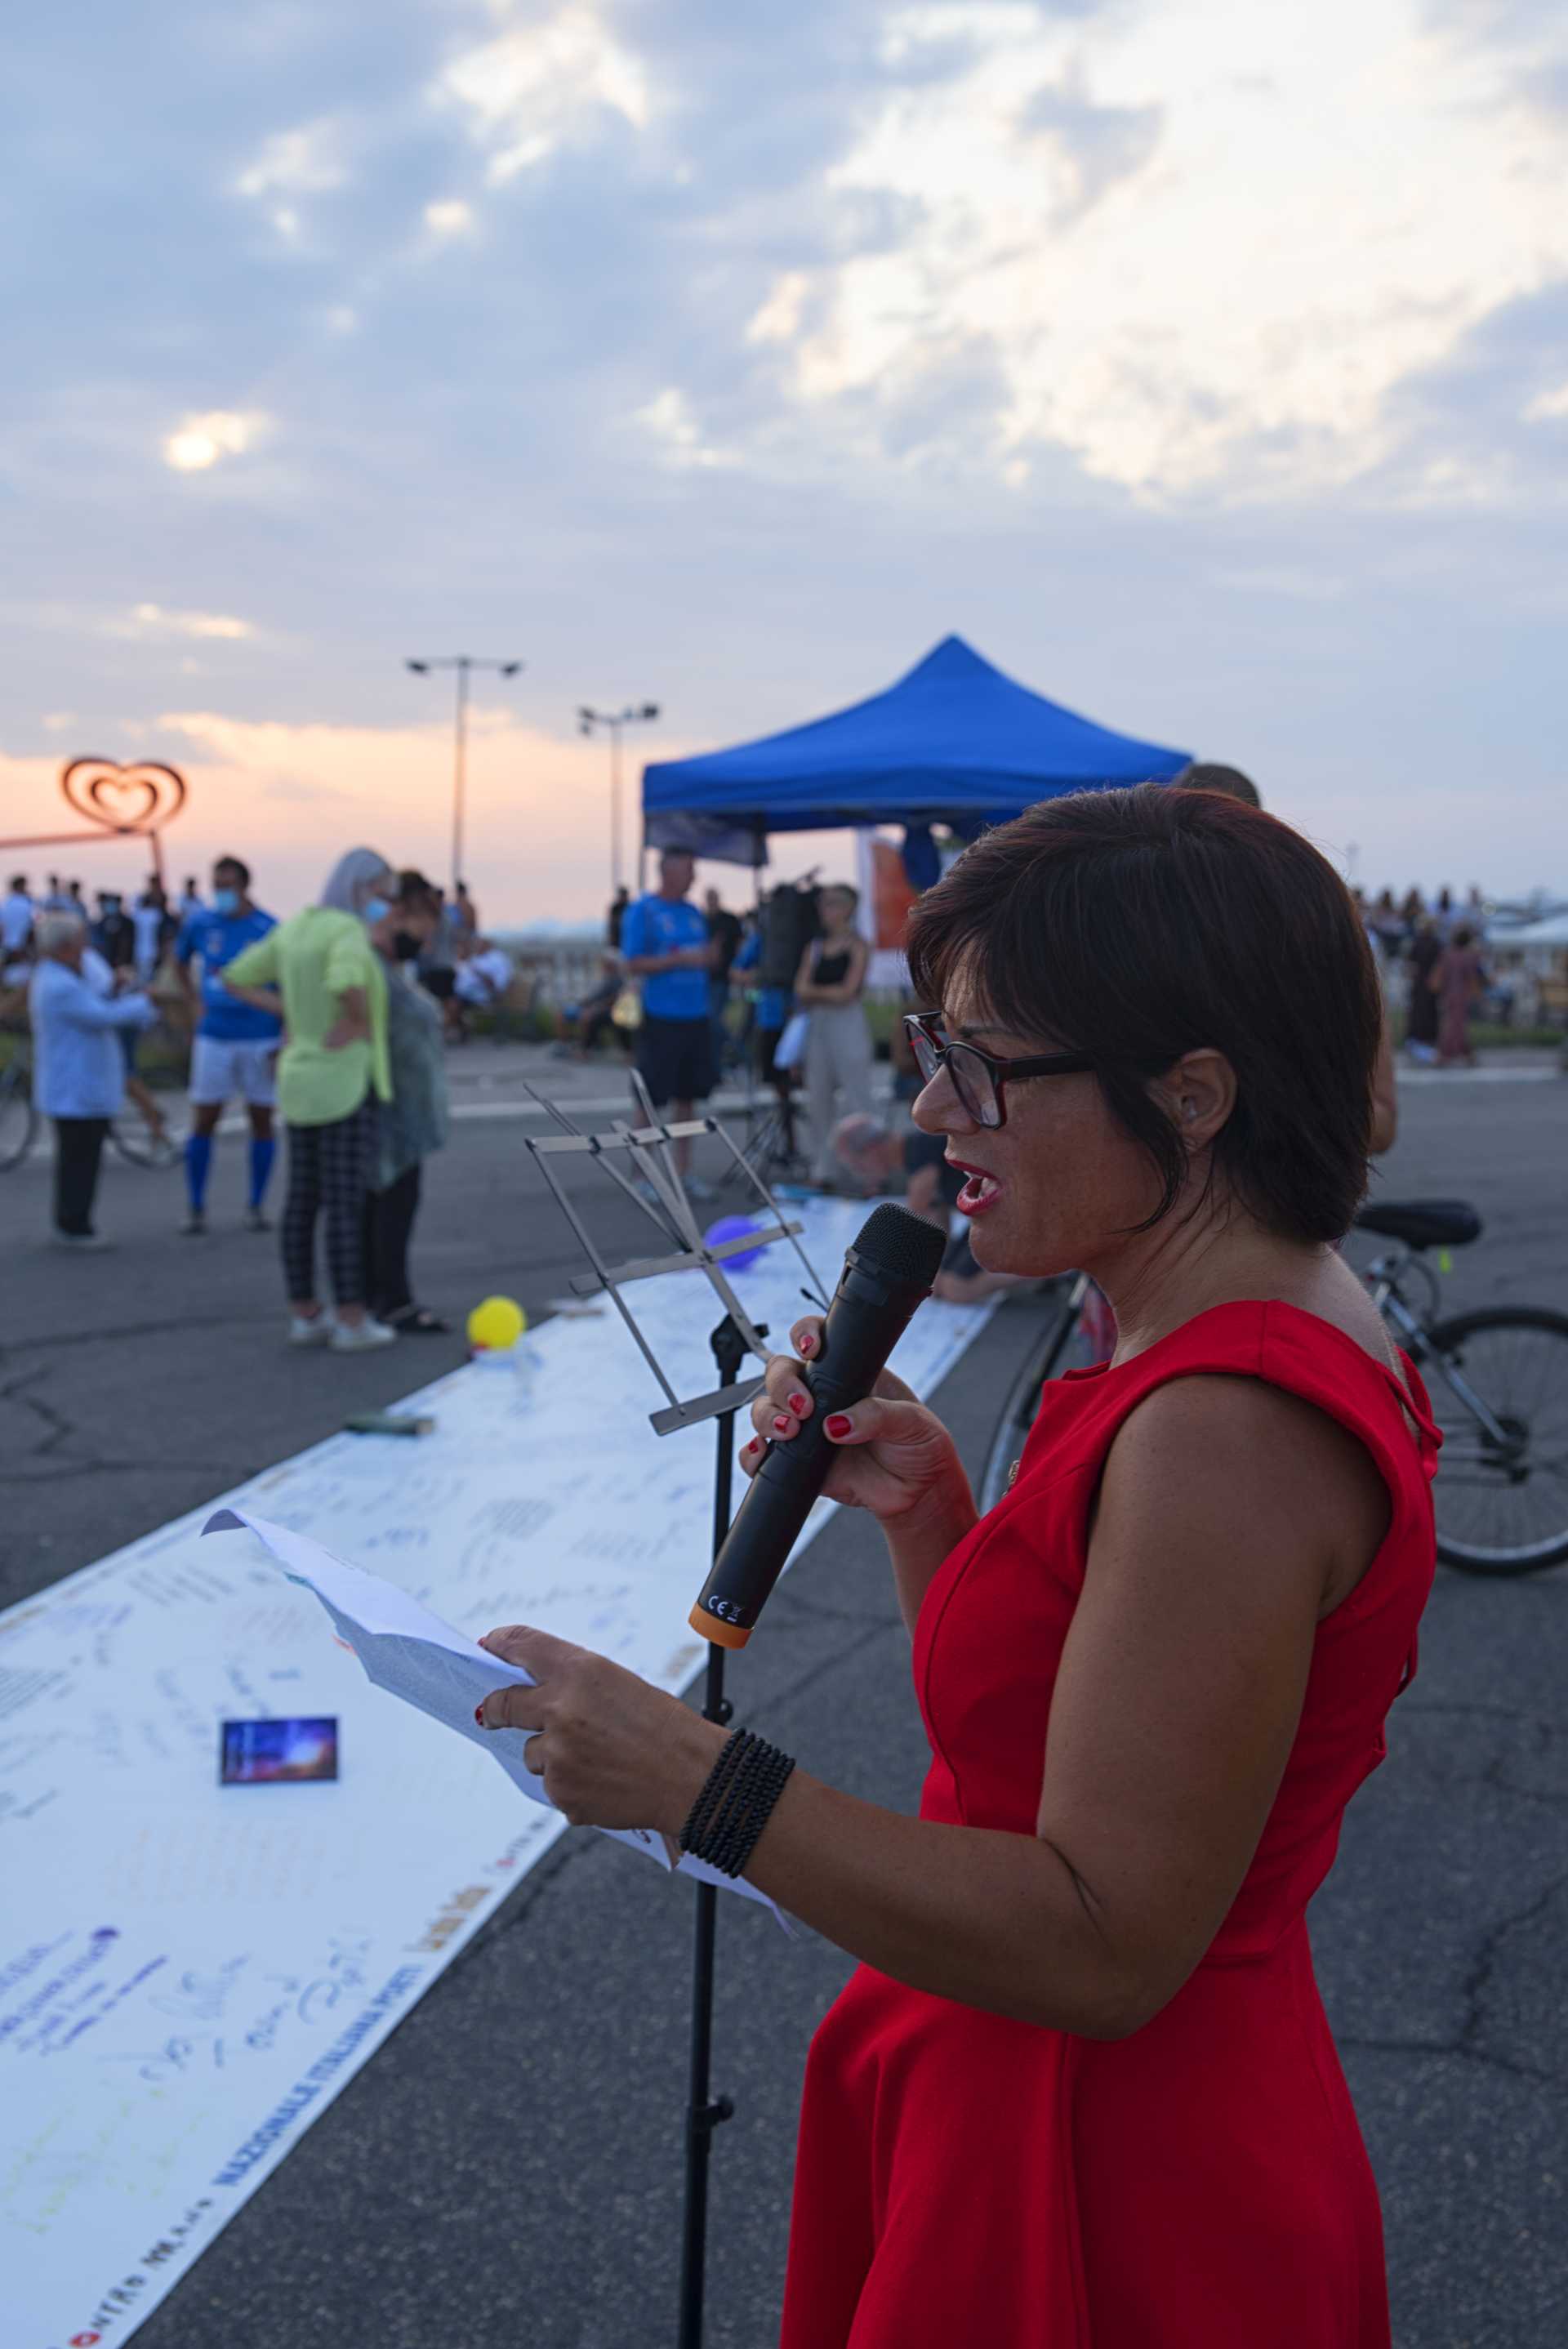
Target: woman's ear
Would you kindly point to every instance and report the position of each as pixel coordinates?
(1199, 1092)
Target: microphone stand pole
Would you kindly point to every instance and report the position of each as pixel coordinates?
(705, 2111)
(664, 1197)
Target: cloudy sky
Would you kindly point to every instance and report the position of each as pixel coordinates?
(1205, 364)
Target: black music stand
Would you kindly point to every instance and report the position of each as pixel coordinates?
(644, 1147)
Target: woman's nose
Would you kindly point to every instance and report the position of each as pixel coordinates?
(937, 1109)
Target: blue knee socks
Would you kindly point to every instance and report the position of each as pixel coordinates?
(261, 1156)
(198, 1164)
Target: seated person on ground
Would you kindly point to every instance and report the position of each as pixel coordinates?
(592, 1016)
(877, 1159)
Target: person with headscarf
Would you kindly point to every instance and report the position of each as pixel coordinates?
(413, 1122)
(333, 1072)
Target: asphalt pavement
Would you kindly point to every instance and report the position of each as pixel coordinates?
(510, 2166)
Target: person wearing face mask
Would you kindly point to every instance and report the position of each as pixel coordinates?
(413, 1122)
(322, 970)
(234, 1052)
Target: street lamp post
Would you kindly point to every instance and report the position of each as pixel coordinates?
(462, 663)
(635, 714)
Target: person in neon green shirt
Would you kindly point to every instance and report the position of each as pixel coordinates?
(332, 1071)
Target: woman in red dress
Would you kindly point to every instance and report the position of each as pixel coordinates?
(1081, 2093)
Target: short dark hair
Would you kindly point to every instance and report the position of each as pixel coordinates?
(1140, 925)
(232, 864)
(1204, 775)
(414, 893)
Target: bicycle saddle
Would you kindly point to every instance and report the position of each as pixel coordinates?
(1422, 1223)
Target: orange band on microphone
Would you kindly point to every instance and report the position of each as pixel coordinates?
(714, 1627)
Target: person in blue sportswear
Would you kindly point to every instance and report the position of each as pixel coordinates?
(235, 1054)
(666, 945)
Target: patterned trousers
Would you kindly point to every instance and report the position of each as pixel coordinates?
(329, 1173)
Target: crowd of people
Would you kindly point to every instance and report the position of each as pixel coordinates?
(1433, 952)
(314, 1016)
(317, 1016)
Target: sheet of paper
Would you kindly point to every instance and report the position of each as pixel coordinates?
(413, 1655)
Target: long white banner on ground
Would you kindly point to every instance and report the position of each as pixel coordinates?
(190, 1972)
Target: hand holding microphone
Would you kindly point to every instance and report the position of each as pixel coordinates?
(887, 1449)
(833, 1421)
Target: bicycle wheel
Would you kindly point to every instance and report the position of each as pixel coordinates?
(1063, 1347)
(19, 1120)
(1501, 1492)
(139, 1147)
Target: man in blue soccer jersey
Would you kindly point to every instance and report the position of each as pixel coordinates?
(236, 1045)
(664, 943)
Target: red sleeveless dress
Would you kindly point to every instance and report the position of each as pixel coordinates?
(965, 2180)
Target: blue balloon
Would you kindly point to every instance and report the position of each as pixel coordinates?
(733, 1227)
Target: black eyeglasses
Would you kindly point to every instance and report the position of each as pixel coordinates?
(979, 1078)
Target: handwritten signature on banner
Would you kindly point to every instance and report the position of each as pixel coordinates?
(120, 2301)
(199, 2001)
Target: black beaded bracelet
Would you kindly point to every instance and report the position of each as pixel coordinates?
(735, 1802)
(709, 1794)
(757, 1784)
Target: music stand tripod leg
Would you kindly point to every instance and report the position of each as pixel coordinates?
(704, 2111)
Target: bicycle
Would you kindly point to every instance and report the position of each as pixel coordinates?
(21, 1122)
(1497, 1377)
(20, 1118)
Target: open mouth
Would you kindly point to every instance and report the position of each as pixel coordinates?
(981, 1191)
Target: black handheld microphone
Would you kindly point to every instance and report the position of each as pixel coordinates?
(887, 1273)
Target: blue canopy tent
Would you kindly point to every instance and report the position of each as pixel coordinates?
(954, 742)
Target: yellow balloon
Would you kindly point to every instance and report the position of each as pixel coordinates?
(496, 1324)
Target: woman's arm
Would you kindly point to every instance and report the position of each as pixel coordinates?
(1175, 1706)
(1174, 1710)
(255, 966)
(920, 1543)
(806, 992)
(352, 1025)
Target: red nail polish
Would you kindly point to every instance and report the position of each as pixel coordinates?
(782, 1427)
(837, 1423)
(480, 1714)
(797, 1405)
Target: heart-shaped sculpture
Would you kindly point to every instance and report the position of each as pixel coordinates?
(140, 797)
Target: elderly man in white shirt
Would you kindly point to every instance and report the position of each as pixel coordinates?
(78, 1068)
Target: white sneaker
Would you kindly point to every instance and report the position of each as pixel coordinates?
(80, 1243)
(358, 1337)
(699, 1188)
(313, 1329)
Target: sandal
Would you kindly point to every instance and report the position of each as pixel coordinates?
(417, 1322)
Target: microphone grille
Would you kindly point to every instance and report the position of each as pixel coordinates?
(905, 1246)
